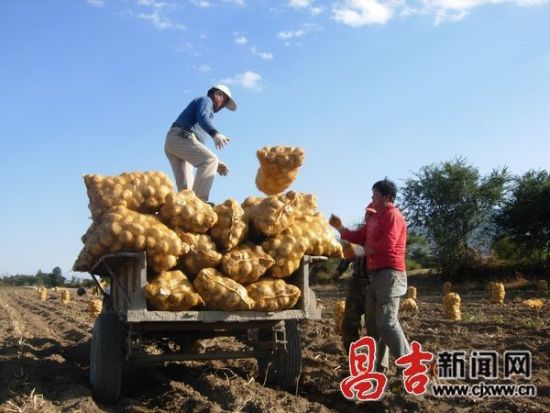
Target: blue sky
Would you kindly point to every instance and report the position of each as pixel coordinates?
(368, 88)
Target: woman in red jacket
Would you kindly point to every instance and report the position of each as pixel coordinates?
(384, 237)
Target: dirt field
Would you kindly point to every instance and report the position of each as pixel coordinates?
(45, 348)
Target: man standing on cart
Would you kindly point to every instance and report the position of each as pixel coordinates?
(184, 145)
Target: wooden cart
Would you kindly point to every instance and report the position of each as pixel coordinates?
(125, 325)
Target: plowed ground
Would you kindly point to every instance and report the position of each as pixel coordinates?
(45, 346)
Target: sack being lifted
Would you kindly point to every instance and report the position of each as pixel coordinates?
(278, 168)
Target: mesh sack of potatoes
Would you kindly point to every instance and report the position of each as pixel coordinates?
(246, 263)
(451, 306)
(172, 291)
(408, 305)
(65, 296)
(230, 229)
(122, 229)
(249, 207)
(42, 294)
(185, 211)
(202, 253)
(535, 303)
(320, 237)
(278, 168)
(138, 191)
(287, 251)
(339, 309)
(271, 294)
(497, 293)
(220, 292)
(307, 204)
(95, 305)
(275, 213)
(411, 293)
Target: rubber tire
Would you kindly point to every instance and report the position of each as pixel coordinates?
(283, 367)
(106, 361)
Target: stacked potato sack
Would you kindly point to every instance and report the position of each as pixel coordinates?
(411, 293)
(339, 309)
(172, 291)
(230, 229)
(184, 211)
(274, 214)
(202, 253)
(246, 263)
(138, 191)
(287, 251)
(271, 294)
(316, 230)
(220, 292)
(278, 168)
(451, 306)
(95, 305)
(497, 293)
(124, 230)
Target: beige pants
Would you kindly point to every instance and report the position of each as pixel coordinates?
(186, 152)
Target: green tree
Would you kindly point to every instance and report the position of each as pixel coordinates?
(55, 278)
(451, 201)
(524, 220)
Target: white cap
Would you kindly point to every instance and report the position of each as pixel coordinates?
(231, 105)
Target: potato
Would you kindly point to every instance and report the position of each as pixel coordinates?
(220, 292)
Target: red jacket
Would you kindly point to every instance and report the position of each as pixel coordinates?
(386, 234)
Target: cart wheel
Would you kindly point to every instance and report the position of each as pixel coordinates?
(283, 367)
(106, 358)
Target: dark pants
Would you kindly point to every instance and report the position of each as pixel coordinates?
(355, 308)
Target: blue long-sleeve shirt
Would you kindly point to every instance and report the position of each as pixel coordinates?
(197, 117)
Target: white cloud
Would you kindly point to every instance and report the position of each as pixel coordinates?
(358, 13)
(299, 3)
(240, 38)
(96, 3)
(248, 79)
(263, 55)
(236, 2)
(316, 10)
(202, 3)
(159, 21)
(204, 68)
(153, 3)
(290, 34)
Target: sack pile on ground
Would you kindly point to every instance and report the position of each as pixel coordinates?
(409, 305)
(42, 294)
(65, 296)
(497, 293)
(278, 168)
(451, 306)
(227, 257)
